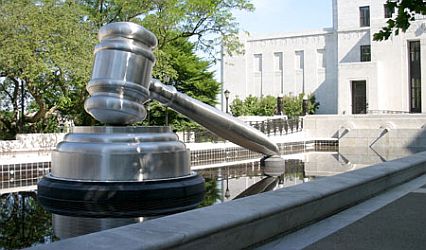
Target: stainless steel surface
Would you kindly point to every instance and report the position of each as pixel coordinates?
(192, 174)
(120, 129)
(121, 83)
(120, 154)
(121, 74)
(216, 121)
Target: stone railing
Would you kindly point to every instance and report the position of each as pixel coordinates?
(37, 142)
(31, 142)
(382, 112)
(270, 127)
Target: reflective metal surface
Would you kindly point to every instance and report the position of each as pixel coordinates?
(121, 74)
(216, 121)
(120, 154)
(121, 83)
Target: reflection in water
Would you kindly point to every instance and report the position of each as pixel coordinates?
(380, 135)
(266, 184)
(67, 226)
(24, 223)
(379, 155)
(319, 164)
(212, 192)
(241, 180)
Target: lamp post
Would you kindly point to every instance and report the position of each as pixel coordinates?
(305, 105)
(167, 81)
(227, 192)
(227, 92)
(22, 107)
(280, 104)
(167, 116)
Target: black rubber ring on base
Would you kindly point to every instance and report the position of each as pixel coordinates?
(120, 199)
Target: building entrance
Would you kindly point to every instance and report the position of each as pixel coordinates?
(359, 97)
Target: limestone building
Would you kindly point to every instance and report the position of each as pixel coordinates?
(348, 72)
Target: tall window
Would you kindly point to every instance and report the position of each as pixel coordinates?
(365, 53)
(364, 16)
(278, 61)
(257, 63)
(321, 58)
(300, 64)
(415, 77)
(388, 11)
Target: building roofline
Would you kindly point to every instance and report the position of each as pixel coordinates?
(274, 36)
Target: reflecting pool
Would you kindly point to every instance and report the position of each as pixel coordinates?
(24, 222)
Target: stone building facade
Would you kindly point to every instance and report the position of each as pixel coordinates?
(348, 72)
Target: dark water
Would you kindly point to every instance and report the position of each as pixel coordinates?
(24, 222)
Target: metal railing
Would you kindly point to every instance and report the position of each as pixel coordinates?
(199, 135)
(381, 112)
(270, 127)
(278, 126)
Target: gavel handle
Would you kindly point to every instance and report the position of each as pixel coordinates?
(223, 125)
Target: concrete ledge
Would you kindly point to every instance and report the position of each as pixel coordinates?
(248, 221)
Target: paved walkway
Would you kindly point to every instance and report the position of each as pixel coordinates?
(395, 219)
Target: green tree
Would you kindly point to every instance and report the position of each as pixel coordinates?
(313, 105)
(267, 106)
(293, 105)
(405, 14)
(191, 76)
(237, 107)
(253, 105)
(46, 52)
(46, 49)
(207, 22)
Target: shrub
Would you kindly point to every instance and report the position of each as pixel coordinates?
(267, 106)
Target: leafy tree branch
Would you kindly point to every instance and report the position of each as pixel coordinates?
(406, 13)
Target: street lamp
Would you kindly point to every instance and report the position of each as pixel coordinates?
(167, 80)
(227, 192)
(227, 92)
(305, 105)
(280, 104)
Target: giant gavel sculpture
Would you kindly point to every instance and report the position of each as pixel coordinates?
(135, 165)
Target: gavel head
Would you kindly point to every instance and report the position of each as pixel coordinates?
(121, 74)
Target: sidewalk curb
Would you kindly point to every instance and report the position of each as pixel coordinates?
(248, 221)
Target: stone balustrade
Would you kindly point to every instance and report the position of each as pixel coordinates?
(31, 142)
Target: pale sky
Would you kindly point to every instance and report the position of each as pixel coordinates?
(273, 16)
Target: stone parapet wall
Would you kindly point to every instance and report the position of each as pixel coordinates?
(31, 142)
(250, 221)
(390, 130)
(377, 138)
